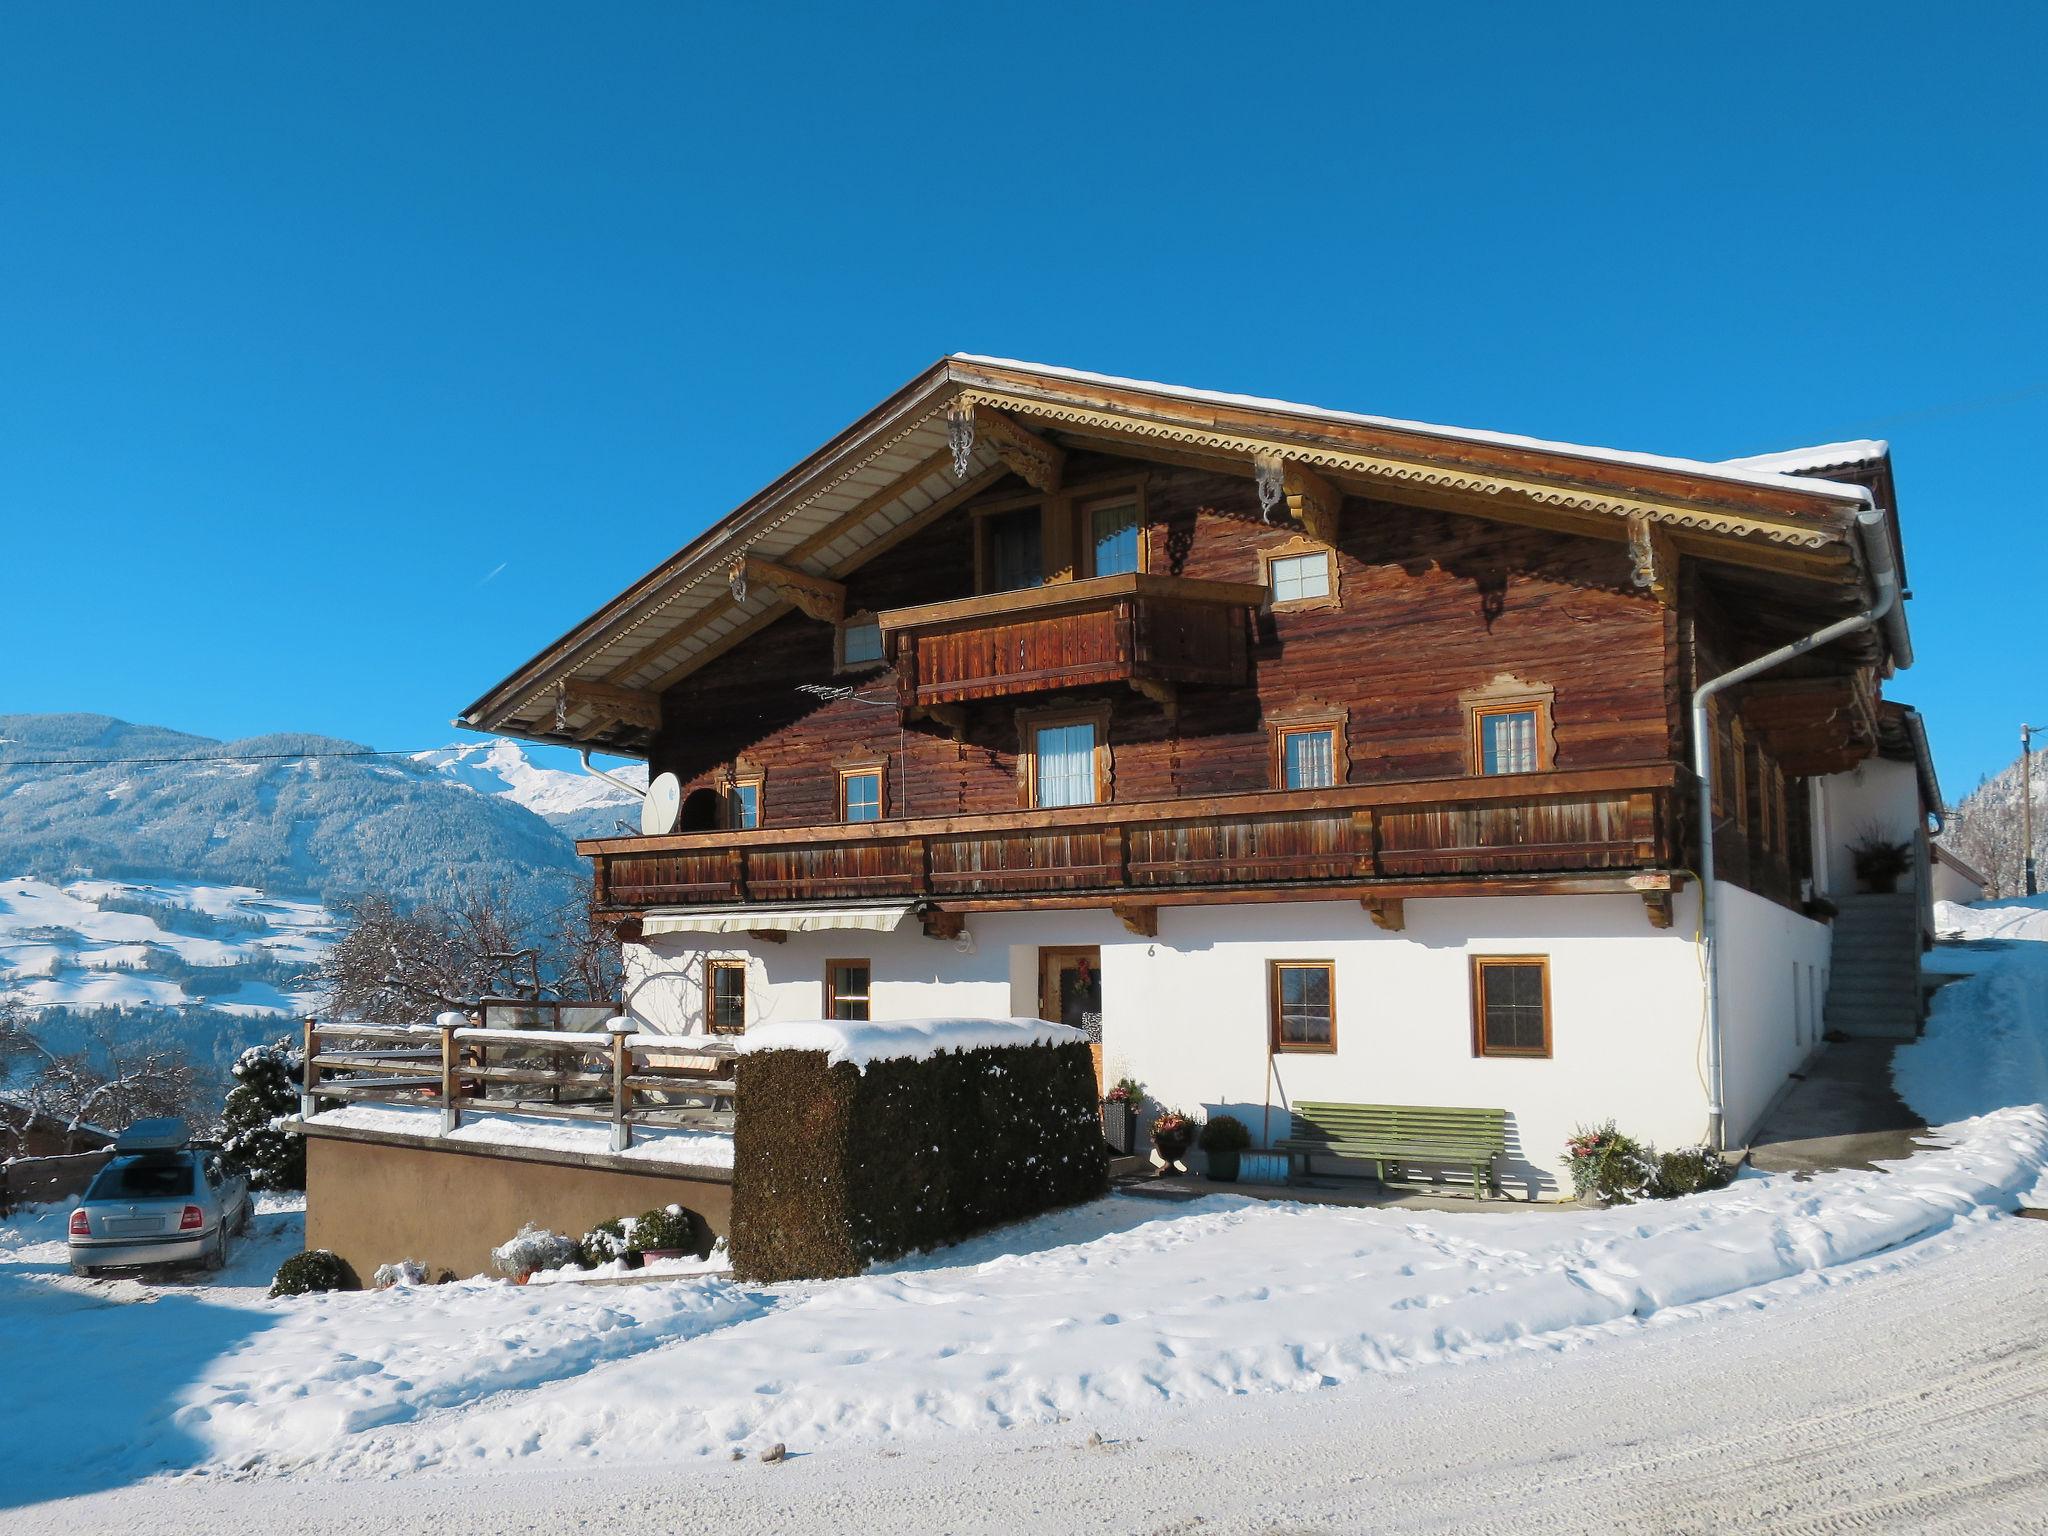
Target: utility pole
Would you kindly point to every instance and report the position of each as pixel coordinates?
(2027, 801)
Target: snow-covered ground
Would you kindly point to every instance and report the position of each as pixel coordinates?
(1134, 1317)
(60, 946)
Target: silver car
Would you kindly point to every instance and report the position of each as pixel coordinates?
(162, 1200)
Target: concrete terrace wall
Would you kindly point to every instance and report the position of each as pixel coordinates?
(1186, 1012)
(1774, 987)
(376, 1202)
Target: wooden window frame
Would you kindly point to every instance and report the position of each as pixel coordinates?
(1031, 721)
(1480, 1049)
(1065, 551)
(857, 767)
(711, 969)
(832, 997)
(1292, 549)
(1284, 1047)
(1085, 500)
(1738, 780)
(744, 778)
(1309, 717)
(857, 621)
(1508, 695)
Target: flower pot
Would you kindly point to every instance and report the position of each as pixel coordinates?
(1173, 1145)
(649, 1255)
(1223, 1167)
(1120, 1128)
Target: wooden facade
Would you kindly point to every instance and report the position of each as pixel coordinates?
(1202, 578)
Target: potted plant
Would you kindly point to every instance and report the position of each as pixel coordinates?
(1172, 1134)
(1880, 862)
(665, 1234)
(532, 1249)
(1120, 1108)
(1223, 1139)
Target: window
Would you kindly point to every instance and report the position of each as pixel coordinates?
(860, 794)
(1508, 722)
(725, 997)
(1507, 740)
(860, 643)
(1065, 770)
(1510, 1005)
(1297, 578)
(1113, 538)
(743, 804)
(1013, 549)
(846, 989)
(1304, 1005)
(1308, 758)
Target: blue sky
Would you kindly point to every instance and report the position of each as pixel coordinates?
(350, 353)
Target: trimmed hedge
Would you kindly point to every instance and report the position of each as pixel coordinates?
(835, 1169)
(314, 1270)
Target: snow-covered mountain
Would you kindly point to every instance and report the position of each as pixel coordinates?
(580, 804)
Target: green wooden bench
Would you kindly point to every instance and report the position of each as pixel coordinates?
(1395, 1134)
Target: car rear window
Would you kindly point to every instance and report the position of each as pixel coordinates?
(143, 1178)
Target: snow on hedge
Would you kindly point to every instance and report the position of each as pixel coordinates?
(868, 1040)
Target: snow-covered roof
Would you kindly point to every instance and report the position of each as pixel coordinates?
(868, 1040)
(1737, 470)
(1797, 462)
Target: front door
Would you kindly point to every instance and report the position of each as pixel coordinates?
(1070, 992)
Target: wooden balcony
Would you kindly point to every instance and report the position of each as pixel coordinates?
(1394, 839)
(1156, 633)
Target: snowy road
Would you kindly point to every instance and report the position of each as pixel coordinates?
(1857, 1407)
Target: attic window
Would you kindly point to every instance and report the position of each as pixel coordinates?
(860, 643)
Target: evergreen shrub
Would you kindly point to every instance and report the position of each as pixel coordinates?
(314, 1270)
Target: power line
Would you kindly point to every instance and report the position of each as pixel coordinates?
(219, 757)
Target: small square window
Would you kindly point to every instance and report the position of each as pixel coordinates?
(1511, 1006)
(1304, 1005)
(1299, 578)
(1308, 758)
(725, 997)
(860, 644)
(846, 989)
(1507, 741)
(860, 795)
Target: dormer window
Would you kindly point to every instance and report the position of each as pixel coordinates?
(860, 643)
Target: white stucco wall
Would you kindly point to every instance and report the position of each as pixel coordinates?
(1951, 884)
(1774, 974)
(1878, 796)
(1186, 1012)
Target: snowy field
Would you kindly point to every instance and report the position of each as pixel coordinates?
(1242, 1362)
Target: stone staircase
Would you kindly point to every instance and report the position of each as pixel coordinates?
(1874, 978)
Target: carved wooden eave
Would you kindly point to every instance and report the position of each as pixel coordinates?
(627, 706)
(821, 598)
(1141, 919)
(1312, 502)
(1653, 560)
(1042, 465)
(1387, 912)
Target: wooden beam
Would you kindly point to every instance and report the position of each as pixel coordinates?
(628, 705)
(1653, 561)
(1658, 905)
(1143, 920)
(768, 935)
(1040, 463)
(1160, 692)
(940, 924)
(821, 598)
(953, 717)
(1312, 502)
(1387, 912)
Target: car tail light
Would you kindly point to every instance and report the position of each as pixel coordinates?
(192, 1220)
(80, 1225)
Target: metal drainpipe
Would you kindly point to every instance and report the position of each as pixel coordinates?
(1884, 575)
(592, 768)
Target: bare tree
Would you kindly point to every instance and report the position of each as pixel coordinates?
(110, 1083)
(403, 967)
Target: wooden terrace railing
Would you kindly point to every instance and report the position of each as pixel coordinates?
(1580, 821)
(618, 1077)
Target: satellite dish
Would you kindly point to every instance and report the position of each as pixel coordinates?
(663, 805)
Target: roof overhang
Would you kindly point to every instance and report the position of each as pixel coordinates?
(899, 468)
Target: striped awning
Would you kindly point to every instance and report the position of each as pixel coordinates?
(876, 919)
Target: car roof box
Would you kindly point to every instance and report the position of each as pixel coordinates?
(166, 1133)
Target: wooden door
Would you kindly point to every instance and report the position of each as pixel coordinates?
(1070, 992)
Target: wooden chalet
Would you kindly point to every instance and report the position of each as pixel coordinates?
(1297, 752)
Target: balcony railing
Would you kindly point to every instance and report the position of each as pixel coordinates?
(1584, 821)
(1132, 628)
